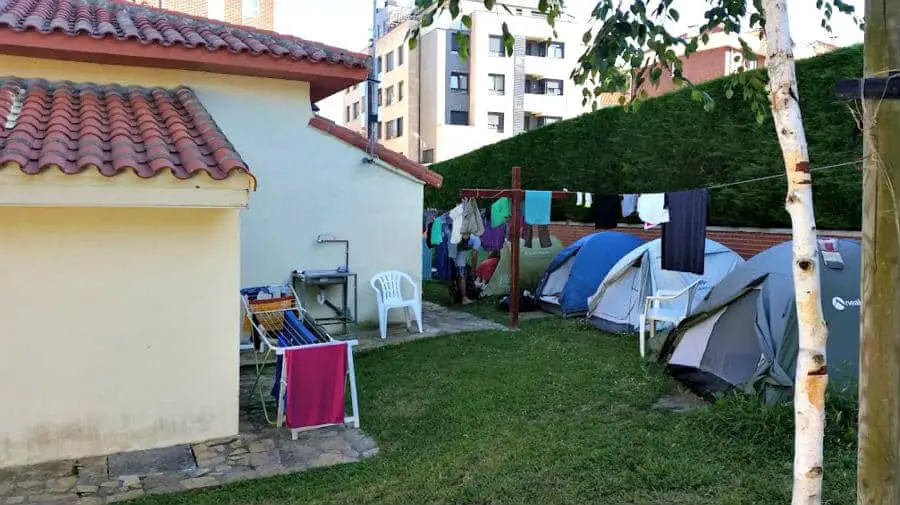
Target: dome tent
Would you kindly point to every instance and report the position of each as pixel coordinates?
(617, 304)
(744, 334)
(575, 273)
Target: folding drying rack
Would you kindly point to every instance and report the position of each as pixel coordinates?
(280, 323)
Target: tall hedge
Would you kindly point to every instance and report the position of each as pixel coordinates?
(671, 143)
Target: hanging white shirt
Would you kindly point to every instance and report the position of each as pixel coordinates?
(456, 218)
(652, 209)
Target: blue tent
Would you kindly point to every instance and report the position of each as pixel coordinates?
(578, 270)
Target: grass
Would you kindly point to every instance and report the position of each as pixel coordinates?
(556, 413)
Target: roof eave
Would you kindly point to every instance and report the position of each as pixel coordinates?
(325, 78)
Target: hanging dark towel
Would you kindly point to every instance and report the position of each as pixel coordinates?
(544, 236)
(684, 236)
(528, 235)
(606, 210)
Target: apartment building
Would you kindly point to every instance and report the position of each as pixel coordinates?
(435, 105)
(256, 13)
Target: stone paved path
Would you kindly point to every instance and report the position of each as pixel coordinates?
(258, 451)
(437, 321)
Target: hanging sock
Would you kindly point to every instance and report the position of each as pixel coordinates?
(528, 235)
(579, 199)
(629, 204)
(537, 207)
(683, 247)
(544, 236)
(588, 200)
(651, 209)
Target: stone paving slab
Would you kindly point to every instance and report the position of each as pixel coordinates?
(168, 459)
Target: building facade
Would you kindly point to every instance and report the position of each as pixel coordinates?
(255, 13)
(435, 105)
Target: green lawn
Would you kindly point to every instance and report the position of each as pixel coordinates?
(557, 413)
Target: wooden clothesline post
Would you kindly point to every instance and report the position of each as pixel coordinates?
(516, 196)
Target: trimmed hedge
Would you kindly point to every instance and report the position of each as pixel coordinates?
(671, 143)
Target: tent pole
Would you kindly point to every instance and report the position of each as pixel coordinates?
(514, 248)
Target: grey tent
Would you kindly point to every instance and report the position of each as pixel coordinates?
(743, 335)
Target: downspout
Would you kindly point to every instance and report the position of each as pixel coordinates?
(419, 99)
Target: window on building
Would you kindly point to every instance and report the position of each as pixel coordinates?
(399, 126)
(389, 130)
(534, 86)
(378, 65)
(355, 110)
(389, 62)
(535, 48)
(394, 128)
(362, 106)
(400, 91)
(554, 87)
(495, 121)
(459, 81)
(544, 121)
(495, 46)
(389, 95)
(459, 117)
(347, 115)
(454, 42)
(379, 98)
(427, 156)
(497, 84)
(250, 8)
(380, 130)
(556, 50)
(400, 50)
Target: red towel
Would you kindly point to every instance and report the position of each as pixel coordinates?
(316, 384)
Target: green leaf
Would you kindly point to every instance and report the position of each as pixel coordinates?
(467, 21)
(674, 15)
(489, 4)
(542, 5)
(695, 95)
(454, 8)
(586, 37)
(729, 93)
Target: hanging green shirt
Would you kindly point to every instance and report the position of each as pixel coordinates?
(500, 212)
(437, 235)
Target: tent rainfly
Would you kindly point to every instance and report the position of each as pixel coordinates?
(744, 334)
(577, 270)
(532, 262)
(617, 304)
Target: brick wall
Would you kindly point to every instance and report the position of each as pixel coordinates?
(234, 12)
(745, 241)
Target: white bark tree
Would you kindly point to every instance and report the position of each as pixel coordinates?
(634, 34)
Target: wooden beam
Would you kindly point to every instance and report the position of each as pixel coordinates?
(878, 473)
(873, 88)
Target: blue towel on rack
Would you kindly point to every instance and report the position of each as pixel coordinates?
(537, 207)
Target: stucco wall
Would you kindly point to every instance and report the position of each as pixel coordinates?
(309, 183)
(119, 329)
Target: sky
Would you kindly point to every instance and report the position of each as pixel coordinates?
(347, 24)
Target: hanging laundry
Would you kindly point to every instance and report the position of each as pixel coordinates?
(537, 207)
(318, 377)
(588, 200)
(651, 209)
(429, 215)
(493, 237)
(471, 221)
(456, 217)
(629, 204)
(579, 199)
(683, 246)
(543, 232)
(500, 212)
(436, 236)
(528, 235)
(606, 210)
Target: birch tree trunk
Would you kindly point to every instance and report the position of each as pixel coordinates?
(812, 372)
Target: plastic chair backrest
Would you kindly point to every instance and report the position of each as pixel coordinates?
(391, 285)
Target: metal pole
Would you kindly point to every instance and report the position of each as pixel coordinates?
(878, 473)
(372, 84)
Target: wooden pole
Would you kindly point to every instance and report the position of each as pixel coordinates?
(515, 228)
(878, 475)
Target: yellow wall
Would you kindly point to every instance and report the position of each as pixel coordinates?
(119, 329)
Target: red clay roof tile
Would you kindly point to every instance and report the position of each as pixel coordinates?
(112, 127)
(105, 31)
(386, 155)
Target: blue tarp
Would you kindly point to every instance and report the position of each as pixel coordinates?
(592, 256)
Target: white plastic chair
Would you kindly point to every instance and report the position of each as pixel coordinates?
(654, 310)
(388, 286)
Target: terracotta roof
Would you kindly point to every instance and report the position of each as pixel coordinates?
(113, 128)
(386, 155)
(107, 31)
